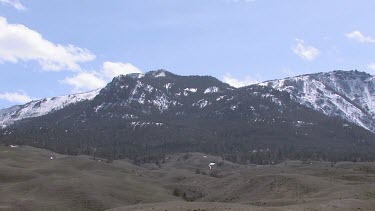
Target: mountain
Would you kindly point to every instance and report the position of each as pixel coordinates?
(145, 117)
(41, 107)
(347, 94)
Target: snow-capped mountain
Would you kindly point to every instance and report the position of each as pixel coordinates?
(157, 91)
(42, 107)
(347, 94)
(159, 112)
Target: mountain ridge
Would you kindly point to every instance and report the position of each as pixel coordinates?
(361, 116)
(348, 94)
(146, 116)
(42, 107)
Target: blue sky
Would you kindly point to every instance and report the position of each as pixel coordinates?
(58, 47)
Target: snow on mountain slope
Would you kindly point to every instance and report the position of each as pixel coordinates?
(348, 94)
(41, 107)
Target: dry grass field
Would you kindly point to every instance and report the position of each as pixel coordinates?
(31, 180)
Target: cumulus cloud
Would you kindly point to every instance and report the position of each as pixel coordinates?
(15, 97)
(19, 43)
(306, 52)
(85, 81)
(229, 79)
(359, 37)
(113, 69)
(14, 3)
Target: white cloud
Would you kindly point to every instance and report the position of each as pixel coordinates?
(229, 79)
(14, 3)
(19, 43)
(306, 52)
(359, 37)
(113, 69)
(15, 97)
(85, 81)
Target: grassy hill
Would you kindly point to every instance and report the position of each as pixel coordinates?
(31, 180)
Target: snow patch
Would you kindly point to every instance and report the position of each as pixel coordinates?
(202, 103)
(136, 75)
(212, 89)
(168, 86)
(220, 98)
(302, 123)
(146, 124)
(233, 107)
(96, 109)
(191, 89)
(160, 74)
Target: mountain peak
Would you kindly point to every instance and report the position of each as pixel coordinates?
(161, 73)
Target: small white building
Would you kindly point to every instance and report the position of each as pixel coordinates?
(210, 165)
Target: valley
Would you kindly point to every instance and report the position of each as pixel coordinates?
(189, 105)
(38, 179)
(160, 141)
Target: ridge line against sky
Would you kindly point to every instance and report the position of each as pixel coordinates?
(236, 41)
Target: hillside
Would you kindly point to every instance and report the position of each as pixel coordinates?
(31, 180)
(347, 94)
